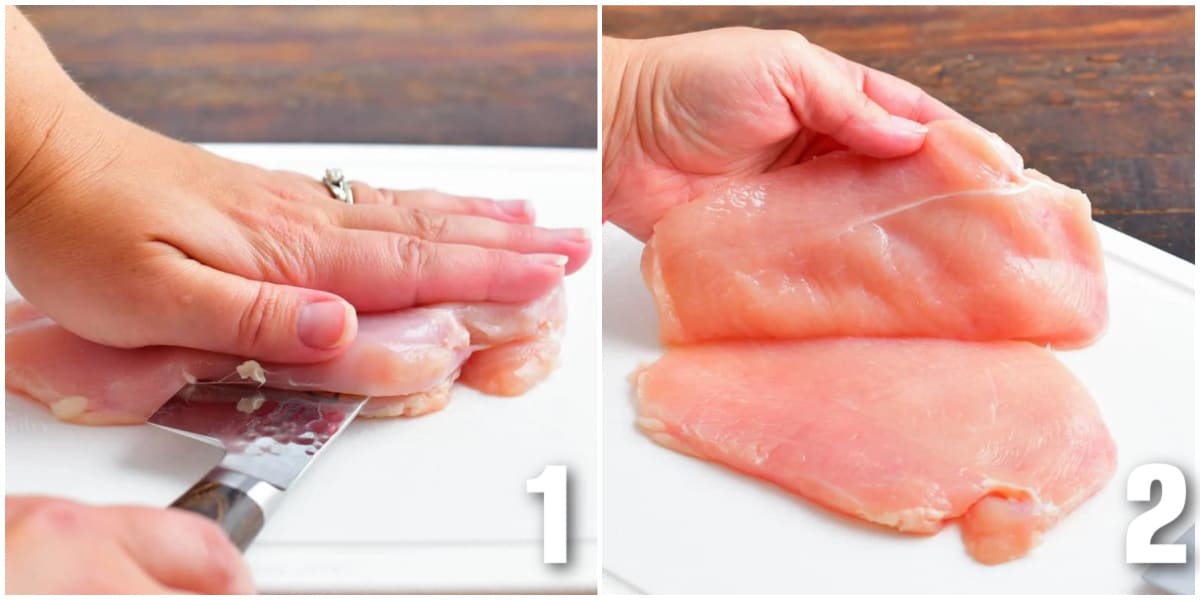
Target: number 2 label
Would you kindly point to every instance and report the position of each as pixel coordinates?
(552, 485)
(1139, 545)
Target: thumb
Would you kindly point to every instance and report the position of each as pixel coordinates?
(180, 550)
(830, 102)
(255, 319)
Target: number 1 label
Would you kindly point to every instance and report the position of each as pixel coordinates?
(552, 485)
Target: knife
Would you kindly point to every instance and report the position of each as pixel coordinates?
(269, 436)
(1177, 578)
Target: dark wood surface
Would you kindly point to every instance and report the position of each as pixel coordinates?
(1099, 98)
(442, 75)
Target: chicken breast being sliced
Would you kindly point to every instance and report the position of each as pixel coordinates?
(954, 241)
(907, 433)
(405, 360)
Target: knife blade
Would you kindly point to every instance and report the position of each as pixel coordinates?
(270, 437)
(1179, 578)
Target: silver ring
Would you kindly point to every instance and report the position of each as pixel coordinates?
(338, 186)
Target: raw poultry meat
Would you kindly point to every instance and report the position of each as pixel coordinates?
(405, 360)
(849, 320)
(511, 368)
(907, 433)
(954, 241)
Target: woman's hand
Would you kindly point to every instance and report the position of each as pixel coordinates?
(129, 239)
(142, 240)
(56, 546)
(686, 112)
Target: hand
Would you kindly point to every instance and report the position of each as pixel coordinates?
(687, 112)
(56, 546)
(129, 239)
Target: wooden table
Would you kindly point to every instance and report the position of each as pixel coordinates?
(1099, 98)
(440, 75)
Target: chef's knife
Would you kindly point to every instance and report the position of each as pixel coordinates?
(269, 437)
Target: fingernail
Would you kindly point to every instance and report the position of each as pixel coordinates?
(515, 208)
(324, 325)
(553, 260)
(901, 124)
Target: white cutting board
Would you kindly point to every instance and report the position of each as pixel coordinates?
(434, 504)
(674, 524)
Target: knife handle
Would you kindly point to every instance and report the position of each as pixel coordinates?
(238, 503)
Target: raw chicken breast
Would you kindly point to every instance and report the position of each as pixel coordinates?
(405, 360)
(510, 369)
(907, 433)
(953, 241)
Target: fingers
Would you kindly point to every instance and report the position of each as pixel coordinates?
(388, 251)
(16, 507)
(897, 96)
(181, 550)
(447, 218)
(509, 211)
(296, 184)
(378, 270)
(829, 102)
(201, 307)
(471, 230)
(904, 98)
(827, 99)
(55, 545)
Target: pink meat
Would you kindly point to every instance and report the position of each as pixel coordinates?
(906, 433)
(954, 241)
(405, 360)
(848, 316)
